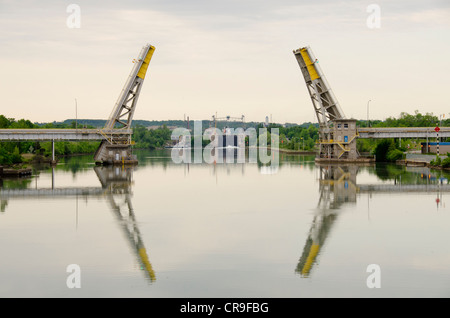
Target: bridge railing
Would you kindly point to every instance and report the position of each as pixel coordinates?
(57, 134)
(403, 132)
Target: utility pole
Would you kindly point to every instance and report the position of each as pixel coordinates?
(76, 114)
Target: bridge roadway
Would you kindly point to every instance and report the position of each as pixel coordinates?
(100, 191)
(403, 188)
(82, 134)
(403, 132)
(56, 192)
(61, 134)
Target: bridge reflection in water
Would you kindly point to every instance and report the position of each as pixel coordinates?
(338, 186)
(116, 183)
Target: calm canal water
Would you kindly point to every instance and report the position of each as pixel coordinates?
(164, 229)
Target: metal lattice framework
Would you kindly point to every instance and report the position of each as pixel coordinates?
(122, 114)
(115, 137)
(325, 103)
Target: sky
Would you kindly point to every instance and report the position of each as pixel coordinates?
(224, 58)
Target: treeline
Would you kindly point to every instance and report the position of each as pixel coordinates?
(291, 136)
(10, 152)
(100, 123)
(409, 120)
(299, 137)
(305, 136)
(390, 150)
(151, 138)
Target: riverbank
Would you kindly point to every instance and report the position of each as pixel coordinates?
(291, 152)
(296, 152)
(419, 163)
(361, 160)
(14, 171)
(22, 169)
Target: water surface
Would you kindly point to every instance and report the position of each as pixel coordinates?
(163, 229)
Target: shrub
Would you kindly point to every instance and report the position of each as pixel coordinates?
(394, 155)
(436, 162)
(446, 162)
(383, 148)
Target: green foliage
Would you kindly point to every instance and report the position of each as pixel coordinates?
(408, 120)
(5, 122)
(64, 148)
(387, 151)
(446, 161)
(9, 157)
(11, 152)
(394, 154)
(291, 136)
(151, 138)
(366, 145)
(302, 137)
(436, 161)
(382, 149)
(72, 124)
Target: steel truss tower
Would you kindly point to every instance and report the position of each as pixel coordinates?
(326, 106)
(116, 148)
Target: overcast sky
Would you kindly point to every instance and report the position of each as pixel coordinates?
(230, 57)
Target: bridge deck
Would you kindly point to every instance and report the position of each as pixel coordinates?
(403, 188)
(6, 194)
(403, 132)
(60, 134)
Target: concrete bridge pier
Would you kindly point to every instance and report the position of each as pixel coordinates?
(114, 154)
(53, 162)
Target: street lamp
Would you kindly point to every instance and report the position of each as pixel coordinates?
(368, 123)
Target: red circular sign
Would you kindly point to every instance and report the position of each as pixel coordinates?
(437, 129)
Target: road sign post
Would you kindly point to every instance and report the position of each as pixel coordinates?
(437, 139)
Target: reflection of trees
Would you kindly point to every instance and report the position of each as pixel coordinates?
(408, 175)
(3, 204)
(74, 163)
(15, 183)
(395, 172)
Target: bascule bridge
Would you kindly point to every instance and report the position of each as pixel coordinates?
(337, 133)
(115, 136)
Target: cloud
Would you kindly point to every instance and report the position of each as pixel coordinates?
(228, 56)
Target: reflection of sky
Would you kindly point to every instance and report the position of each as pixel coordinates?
(224, 231)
